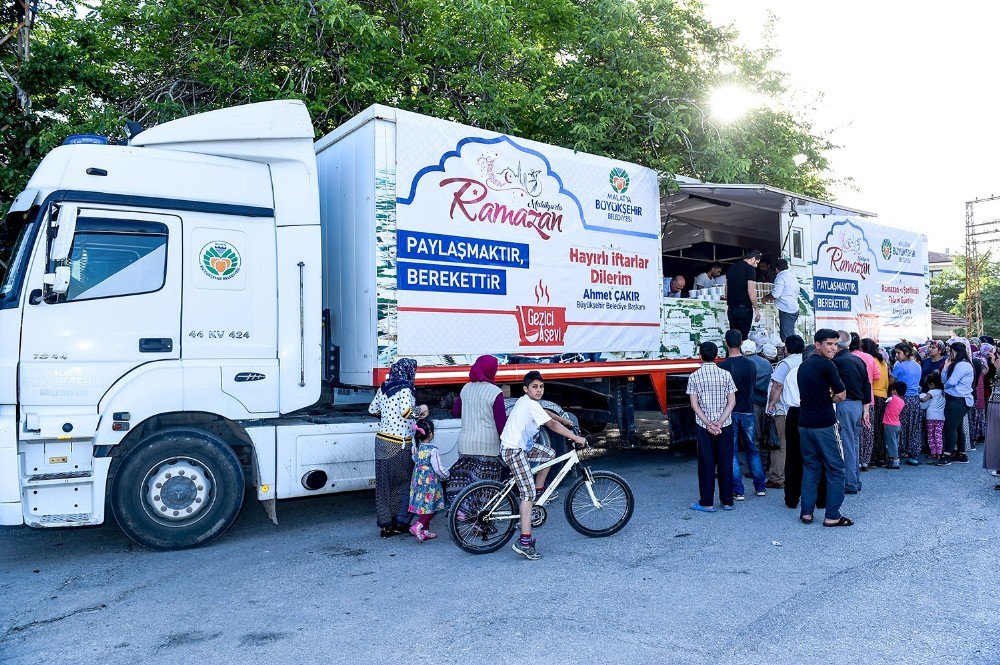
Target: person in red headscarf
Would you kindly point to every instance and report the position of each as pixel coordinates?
(480, 405)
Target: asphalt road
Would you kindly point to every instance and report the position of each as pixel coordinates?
(915, 581)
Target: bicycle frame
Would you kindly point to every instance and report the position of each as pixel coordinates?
(571, 459)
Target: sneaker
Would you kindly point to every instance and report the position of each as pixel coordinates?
(727, 506)
(528, 551)
(893, 464)
(960, 458)
(739, 497)
(774, 485)
(995, 472)
(703, 509)
(761, 493)
(912, 462)
(417, 531)
(944, 460)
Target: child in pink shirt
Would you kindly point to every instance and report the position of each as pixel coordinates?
(890, 421)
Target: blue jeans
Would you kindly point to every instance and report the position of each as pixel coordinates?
(821, 452)
(849, 414)
(743, 424)
(786, 324)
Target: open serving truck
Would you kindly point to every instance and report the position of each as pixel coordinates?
(174, 309)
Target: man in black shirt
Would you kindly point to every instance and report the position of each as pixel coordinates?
(741, 293)
(744, 376)
(820, 387)
(853, 412)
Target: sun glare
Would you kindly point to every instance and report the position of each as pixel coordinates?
(731, 102)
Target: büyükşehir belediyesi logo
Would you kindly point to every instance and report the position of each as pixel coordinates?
(619, 180)
(220, 260)
(887, 249)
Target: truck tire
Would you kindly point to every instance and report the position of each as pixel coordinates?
(178, 488)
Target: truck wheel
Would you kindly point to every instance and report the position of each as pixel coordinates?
(178, 488)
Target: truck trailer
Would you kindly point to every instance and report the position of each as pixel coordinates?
(182, 315)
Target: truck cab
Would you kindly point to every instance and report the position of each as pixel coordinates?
(161, 298)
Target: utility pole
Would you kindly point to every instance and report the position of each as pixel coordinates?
(978, 236)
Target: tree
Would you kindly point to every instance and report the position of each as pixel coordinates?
(948, 292)
(624, 79)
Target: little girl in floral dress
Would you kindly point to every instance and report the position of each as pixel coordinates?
(426, 492)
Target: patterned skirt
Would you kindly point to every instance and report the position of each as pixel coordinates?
(866, 442)
(879, 456)
(470, 469)
(911, 435)
(393, 472)
(978, 417)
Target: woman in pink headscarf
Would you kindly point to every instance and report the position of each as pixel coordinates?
(480, 405)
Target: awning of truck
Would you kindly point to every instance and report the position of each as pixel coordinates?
(739, 215)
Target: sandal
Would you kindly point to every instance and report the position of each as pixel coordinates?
(806, 519)
(843, 521)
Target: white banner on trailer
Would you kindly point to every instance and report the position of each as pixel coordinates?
(870, 279)
(508, 246)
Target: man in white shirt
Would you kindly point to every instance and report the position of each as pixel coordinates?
(785, 295)
(518, 449)
(711, 277)
(784, 394)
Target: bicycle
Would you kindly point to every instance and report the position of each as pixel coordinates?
(484, 515)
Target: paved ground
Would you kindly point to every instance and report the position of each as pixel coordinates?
(915, 581)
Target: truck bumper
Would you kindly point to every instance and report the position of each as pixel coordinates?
(10, 514)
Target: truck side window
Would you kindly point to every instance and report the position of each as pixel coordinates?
(116, 258)
(797, 244)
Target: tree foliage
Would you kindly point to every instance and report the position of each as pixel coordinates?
(948, 292)
(624, 79)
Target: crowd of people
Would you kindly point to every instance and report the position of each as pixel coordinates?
(409, 475)
(815, 422)
(810, 423)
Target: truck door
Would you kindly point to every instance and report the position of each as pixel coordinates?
(121, 310)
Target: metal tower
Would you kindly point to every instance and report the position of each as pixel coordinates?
(979, 237)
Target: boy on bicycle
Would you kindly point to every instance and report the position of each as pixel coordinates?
(519, 449)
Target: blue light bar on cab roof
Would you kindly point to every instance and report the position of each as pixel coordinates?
(77, 139)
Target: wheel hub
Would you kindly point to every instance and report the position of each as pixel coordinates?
(178, 489)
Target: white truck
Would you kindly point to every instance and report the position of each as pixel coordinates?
(174, 308)
(162, 337)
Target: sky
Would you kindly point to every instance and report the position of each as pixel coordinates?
(908, 94)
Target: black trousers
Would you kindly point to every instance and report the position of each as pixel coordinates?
(793, 464)
(955, 411)
(741, 318)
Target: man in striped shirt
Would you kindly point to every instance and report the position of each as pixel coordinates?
(713, 396)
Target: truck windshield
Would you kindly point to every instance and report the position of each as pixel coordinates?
(14, 260)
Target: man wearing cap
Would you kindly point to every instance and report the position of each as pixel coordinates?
(785, 295)
(741, 293)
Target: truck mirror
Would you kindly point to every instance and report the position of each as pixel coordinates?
(62, 226)
(57, 283)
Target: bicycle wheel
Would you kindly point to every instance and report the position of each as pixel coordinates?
(614, 495)
(475, 531)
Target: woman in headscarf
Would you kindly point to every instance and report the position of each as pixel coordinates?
(978, 417)
(395, 404)
(480, 405)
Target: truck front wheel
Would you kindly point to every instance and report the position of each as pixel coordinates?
(177, 488)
